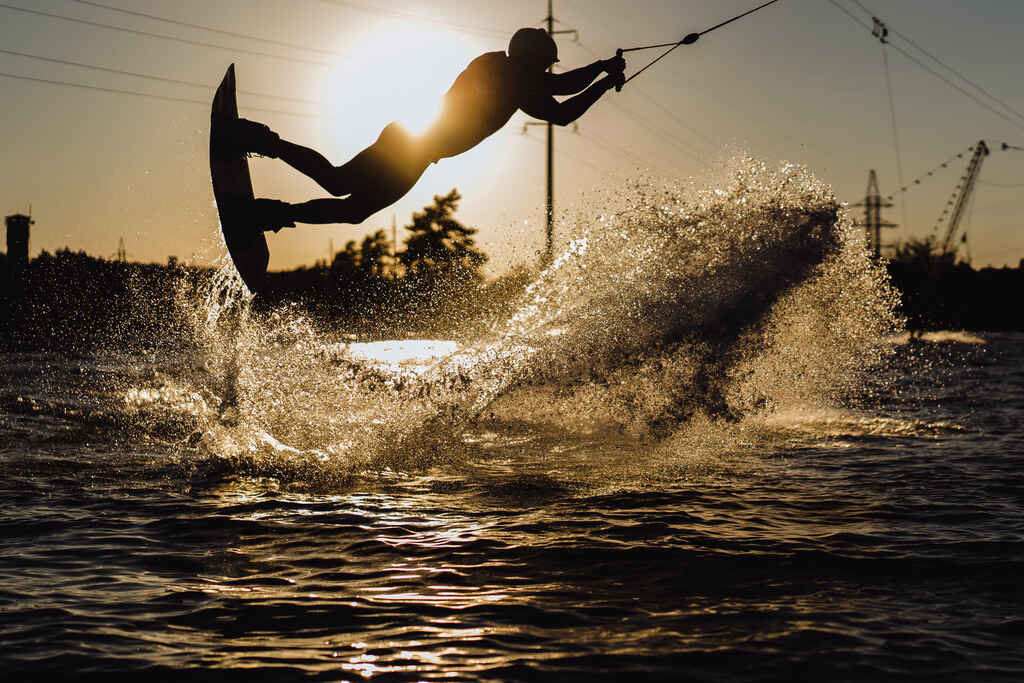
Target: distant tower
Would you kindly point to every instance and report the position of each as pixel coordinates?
(122, 253)
(873, 222)
(17, 250)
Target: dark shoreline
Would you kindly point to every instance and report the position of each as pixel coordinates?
(75, 301)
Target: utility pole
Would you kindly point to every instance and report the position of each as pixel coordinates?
(549, 226)
(394, 247)
(873, 222)
(18, 227)
(549, 229)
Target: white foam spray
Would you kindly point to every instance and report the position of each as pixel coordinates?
(678, 315)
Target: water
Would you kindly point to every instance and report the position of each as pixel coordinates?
(698, 448)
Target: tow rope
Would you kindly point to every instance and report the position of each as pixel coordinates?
(688, 40)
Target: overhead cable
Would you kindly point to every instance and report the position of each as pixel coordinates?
(466, 28)
(619, 151)
(690, 151)
(895, 129)
(948, 68)
(965, 92)
(917, 181)
(568, 155)
(1000, 185)
(932, 71)
(151, 77)
(232, 34)
(658, 104)
(685, 147)
(850, 14)
(137, 93)
(690, 39)
(148, 34)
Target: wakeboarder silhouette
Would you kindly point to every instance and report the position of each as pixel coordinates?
(481, 100)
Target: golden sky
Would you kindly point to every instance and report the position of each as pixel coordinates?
(800, 81)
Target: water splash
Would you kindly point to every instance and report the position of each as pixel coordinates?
(675, 311)
(742, 295)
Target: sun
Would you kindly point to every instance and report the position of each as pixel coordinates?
(398, 72)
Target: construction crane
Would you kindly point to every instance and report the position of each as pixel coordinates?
(964, 191)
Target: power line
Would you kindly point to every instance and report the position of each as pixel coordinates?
(965, 92)
(947, 67)
(614, 150)
(619, 151)
(150, 77)
(930, 70)
(1001, 185)
(849, 14)
(690, 151)
(148, 34)
(895, 129)
(232, 34)
(917, 181)
(646, 124)
(660, 133)
(569, 155)
(465, 28)
(675, 117)
(136, 93)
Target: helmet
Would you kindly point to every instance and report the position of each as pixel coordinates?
(533, 42)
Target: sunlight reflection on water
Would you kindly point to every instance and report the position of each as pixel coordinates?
(417, 354)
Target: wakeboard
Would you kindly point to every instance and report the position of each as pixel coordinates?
(232, 188)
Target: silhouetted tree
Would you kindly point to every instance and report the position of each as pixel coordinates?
(373, 256)
(441, 248)
(345, 264)
(924, 254)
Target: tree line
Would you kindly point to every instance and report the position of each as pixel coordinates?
(434, 285)
(939, 292)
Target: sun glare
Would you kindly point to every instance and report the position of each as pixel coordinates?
(397, 72)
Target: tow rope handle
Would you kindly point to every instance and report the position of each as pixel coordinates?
(688, 40)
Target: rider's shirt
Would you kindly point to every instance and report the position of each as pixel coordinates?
(482, 100)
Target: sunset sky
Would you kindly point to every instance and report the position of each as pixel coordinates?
(800, 81)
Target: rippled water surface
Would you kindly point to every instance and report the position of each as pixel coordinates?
(668, 462)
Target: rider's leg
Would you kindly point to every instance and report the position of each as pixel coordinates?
(272, 214)
(375, 178)
(393, 151)
(338, 180)
(388, 184)
(252, 136)
(353, 209)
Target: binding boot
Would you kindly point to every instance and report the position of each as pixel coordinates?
(269, 214)
(252, 137)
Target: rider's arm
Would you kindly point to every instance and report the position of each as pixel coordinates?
(547, 108)
(572, 82)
